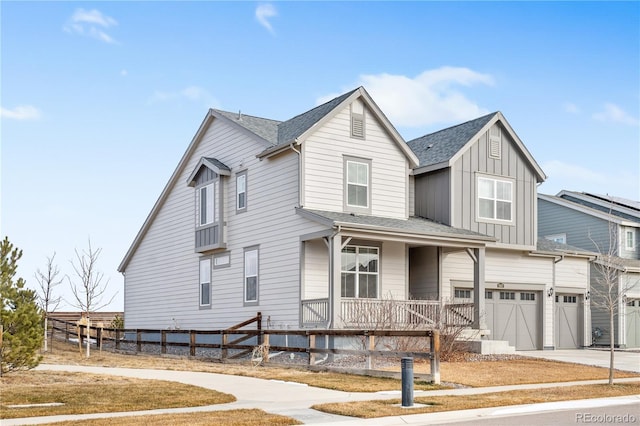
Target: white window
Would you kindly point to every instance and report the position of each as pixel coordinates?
(206, 204)
(205, 282)
(462, 294)
(557, 238)
(357, 184)
(360, 272)
(629, 239)
(495, 199)
(251, 275)
(241, 191)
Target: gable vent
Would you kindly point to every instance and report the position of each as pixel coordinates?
(494, 142)
(357, 125)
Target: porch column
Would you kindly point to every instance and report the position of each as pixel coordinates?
(335, 279)
(479, 317)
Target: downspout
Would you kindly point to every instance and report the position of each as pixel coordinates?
(299, 171)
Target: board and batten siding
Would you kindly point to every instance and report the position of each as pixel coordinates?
(433, 196)
(511, 165)
(582, 230)
(323, 154)
(162, 279)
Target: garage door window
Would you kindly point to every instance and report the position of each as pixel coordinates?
(507, 295)
(488, 295)
(527, 296)
(569, 299)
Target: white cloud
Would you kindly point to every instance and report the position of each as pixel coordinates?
(263, 13)
(21, 112)
(573, 177)
(429, 98)
(91, 23)
(571, 108)
(614, 114)
(190, 93)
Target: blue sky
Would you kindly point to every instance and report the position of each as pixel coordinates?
(99, 100)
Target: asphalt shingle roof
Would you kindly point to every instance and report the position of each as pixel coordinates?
(551, 246)
(415, 225)
(266, 128)
(440, 146)
(219, 164)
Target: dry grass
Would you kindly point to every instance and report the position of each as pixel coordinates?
(371, 409)
(83, 393)
(213, 418)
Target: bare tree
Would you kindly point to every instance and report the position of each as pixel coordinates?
(608, 291)
(89, 286)
(47, 281)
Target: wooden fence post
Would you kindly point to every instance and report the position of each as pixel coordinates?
(66, 331)
(117, 339)
(138, 338)
(259, 327)
(163, 341)
(265, 354)
(312, 345)
(435, 356)
(371, 345)
(192, 342)
(223, 345)
(99, 337)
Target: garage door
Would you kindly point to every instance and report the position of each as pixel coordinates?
(633, 323)
(567, 322)
(515, 316)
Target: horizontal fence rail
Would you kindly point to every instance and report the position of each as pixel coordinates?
(236, 342)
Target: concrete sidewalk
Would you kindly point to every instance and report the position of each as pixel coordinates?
(277, 397)
(622, 360)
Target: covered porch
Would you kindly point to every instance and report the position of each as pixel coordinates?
(371, 272)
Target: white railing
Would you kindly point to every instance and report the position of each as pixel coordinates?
(388, 313)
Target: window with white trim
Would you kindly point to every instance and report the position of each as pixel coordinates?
(629, 240)
(205, 282)
(241, 191)
(357, 183)
(495, 199)
(206, 204)
(360, 272)
(251, 275)
(462, 293)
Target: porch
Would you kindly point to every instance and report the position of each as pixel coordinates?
(386, 313)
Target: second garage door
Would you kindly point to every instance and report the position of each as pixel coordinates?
(515, 316)
(567, 321)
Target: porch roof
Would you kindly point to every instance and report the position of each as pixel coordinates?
(414, 226)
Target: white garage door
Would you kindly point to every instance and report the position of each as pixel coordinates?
(515, 316)
(633, 323)
(567, 322)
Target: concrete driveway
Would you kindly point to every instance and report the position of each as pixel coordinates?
(623, 360)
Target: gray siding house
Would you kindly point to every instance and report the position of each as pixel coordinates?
(609, 226)
(324, 219)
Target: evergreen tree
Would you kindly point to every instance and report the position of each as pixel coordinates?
(20, 316)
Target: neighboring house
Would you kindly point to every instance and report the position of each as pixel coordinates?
(312, 219)
(609, 226)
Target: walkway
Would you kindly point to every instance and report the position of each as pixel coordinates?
(622, 360)
(285, 398)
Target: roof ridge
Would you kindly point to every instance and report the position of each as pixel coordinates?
(242, 114)
(456, 125)
(345, 95)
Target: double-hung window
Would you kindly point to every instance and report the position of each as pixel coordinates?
(357, 184)
(251, 275)
(495, 199)
(205, 282)
(360, 272)
(629, 240)
(206, 205)
(241, 191)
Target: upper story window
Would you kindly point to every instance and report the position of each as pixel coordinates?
(360, 272)
(629, 239)
(206, 204)
(241, 191)
(205, 282)
(357, 184)
(495, 199)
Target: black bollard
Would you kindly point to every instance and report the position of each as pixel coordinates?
(407, 382)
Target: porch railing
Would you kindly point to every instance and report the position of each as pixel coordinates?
(388, 313)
